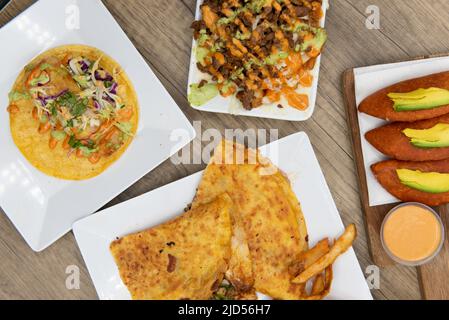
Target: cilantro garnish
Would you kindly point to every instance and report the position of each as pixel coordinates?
(88, 147)
(74, 143)
(76, 106)
(53, 109)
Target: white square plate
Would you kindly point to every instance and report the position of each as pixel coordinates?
(44, 208)
(368, 80)
(231, 105)
(294, 156)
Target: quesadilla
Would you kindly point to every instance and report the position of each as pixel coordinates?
(185, 258)
(272, 231)
(73, 112)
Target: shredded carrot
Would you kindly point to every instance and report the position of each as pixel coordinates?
(44, 127)
(94, 158)
(125, 114)
(52, 143)
(65, 144)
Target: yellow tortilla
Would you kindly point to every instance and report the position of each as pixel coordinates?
(269, 216)
(185, 258)
(35, 146)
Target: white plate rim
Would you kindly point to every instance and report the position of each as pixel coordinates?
(34, 241)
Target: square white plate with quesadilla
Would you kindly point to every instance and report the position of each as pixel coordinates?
(294, 155)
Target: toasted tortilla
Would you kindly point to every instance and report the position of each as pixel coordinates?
(271, 232)
(35, 147)
(386, 174)
(391, 141)
(379, 105)
(240, 270)
(182, 259)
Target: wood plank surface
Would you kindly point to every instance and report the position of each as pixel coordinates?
(160, 31)
(434, 277)
(374, 216)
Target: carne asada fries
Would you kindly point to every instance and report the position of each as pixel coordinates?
(261, 51)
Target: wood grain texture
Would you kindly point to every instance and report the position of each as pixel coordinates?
(434, 276)
(374, 216)
(160, 31)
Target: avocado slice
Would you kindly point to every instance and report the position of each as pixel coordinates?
(201, 95)
(420, 99)
(430, 182)
(435, 137)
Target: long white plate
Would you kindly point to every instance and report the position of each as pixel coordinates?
(44, 208)
(294, 155)
(231, 106)
(368, 80)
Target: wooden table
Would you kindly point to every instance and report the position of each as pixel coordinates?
(160, 31)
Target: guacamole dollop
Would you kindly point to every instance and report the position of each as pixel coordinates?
(198, 96)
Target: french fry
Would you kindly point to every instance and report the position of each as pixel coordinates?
(328, 278)
(318, 285)
(311, 256)
(307, 258)
(340, 246)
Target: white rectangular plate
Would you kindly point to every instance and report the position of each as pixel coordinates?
(231, 105)
(294, 155)
(369, 80)
(44, 208)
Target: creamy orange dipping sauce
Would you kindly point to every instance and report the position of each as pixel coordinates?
(412, 233)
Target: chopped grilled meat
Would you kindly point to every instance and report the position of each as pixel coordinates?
(302, 11)
(202, 83)
(246, 97)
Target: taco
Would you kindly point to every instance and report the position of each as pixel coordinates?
(73, 112)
